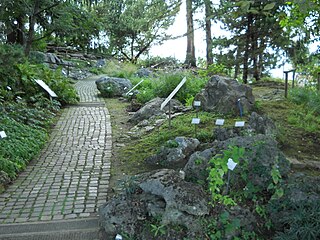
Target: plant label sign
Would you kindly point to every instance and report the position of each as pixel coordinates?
(219, 122)
(197, 103)
(239, 124)
(195, 121)
(3, 134)
(46, 88)
(231, 164)
(128, 93)
(165, 102)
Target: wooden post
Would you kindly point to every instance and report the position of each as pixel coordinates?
(318, 81)
(286, 85)
(293, 77)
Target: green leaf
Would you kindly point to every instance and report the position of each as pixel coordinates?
(269, 6)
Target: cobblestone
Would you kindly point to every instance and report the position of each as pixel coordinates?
(65, 181)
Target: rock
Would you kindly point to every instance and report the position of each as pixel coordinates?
(113, 87)
(221, 95)
(222, 134)
(51, 58)
(143, 72)
(256, 125)
(100, 63)
(174, 152)
(261, 155)
(161, 194)
(196, 167)
(261, 124)
(125, 213)
(152, 108)
(177, 193)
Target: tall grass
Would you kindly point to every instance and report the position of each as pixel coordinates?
(306, 97)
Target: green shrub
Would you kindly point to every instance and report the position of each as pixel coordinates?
(119, 69)
(159, 62)
(213, 69)
(301, 222)
(10, 56)
(23, 142)
(163, 85)
(54, 79)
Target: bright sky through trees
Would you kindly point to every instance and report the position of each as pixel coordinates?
(177, 48)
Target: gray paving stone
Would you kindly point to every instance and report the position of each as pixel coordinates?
(65, 176)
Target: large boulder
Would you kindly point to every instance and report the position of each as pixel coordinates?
(260, 158)
(159, 194)
(222, 95)
(152, 108)
(113, 87)
(174, 152)
(256, 124)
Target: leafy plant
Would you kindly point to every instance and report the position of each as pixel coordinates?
(218, 171)
(21, 145)
(213, 69)
(158, 230)
(129, 185)
(303, 222)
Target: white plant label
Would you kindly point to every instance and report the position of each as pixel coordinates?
(46, 88)
(239, 124)
(197, 103)
(195, 121)
(219, 122)
(128, 93)
(183, 81)
(3, 134)
(231, 164)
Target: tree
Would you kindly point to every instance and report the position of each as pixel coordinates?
(190, 54)
(28, 21)
(209, 46)
(132, 26)
(255, 32)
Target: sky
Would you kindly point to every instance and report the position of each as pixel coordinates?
(177, 48)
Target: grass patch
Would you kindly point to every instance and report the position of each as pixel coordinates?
(119, 69)
(135, 152)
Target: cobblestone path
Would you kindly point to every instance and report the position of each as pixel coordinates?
(70, 178)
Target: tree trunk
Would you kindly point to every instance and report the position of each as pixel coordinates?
(237, 63)
(17, 35)
(190, 56)
(209, 49)
(247, 50)
(260, 60)
(32, 22)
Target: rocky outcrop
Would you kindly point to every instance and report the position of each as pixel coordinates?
(256, 124)
(152, 108)
(223, 95)
(174, 152)
(113, 87)
(160, 193)
(261, 124)
(261, 155)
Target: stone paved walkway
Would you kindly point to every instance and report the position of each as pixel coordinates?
(70, 178)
